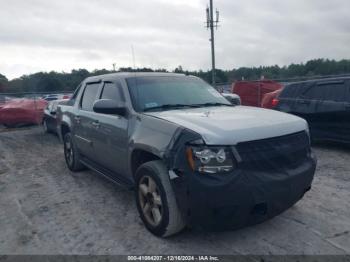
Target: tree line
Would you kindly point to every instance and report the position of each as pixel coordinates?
(56, 81)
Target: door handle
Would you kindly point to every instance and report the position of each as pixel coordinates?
(96, 124)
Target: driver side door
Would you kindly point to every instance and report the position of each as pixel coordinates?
(112, 133)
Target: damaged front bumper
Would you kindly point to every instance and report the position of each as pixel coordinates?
(241, 198)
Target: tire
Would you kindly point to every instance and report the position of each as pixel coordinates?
(171, 220)
(45, 128)
(71, 154)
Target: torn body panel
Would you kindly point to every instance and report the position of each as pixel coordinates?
(163, 139)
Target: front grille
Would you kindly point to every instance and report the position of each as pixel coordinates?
(274, 153)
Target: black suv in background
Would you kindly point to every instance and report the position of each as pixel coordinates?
(324, 103)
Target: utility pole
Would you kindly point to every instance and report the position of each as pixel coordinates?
(211, 24)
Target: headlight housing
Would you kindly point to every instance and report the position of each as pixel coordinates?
(210, 160)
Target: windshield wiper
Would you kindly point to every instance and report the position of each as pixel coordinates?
(169, 106)
(212, 104)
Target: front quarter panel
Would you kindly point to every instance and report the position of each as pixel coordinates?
(150, 134)
(159, 137)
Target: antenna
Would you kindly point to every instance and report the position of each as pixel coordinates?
(208, 17)
(211, 24)
(217, 18)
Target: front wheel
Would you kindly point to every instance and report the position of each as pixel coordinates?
(71, 154)
(155, 200)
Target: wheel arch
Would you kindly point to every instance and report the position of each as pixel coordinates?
(64, 130)
(140, 156)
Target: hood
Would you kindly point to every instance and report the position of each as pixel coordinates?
(231, 125)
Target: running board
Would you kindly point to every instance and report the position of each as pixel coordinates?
(107, 174)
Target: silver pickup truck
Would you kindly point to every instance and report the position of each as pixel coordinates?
(191, 157)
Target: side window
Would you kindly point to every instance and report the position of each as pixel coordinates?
(288, 91)
(333, 91)
(112, 91)
(314, 93)
(291, 91)
(89, 96)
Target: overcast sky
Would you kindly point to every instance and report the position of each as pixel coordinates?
(45, 35)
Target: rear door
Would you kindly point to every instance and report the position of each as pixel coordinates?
(85, 119)
(331, 111)
(306, 101)
(112, 140)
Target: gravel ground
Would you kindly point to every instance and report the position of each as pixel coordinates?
(46, 209)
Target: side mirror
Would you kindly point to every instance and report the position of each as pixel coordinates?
(109, 107)
(233, 99)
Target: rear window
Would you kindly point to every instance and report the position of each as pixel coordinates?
(89, 96)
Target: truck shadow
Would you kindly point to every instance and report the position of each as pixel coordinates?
(331, 145)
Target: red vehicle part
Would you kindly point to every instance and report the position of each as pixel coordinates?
(270, 100)
(66, 96)
(252, 92)
(22, 112)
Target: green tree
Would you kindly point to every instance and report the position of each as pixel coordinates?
(3, 82)
(68, 81)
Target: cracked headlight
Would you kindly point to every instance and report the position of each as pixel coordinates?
(210, 160)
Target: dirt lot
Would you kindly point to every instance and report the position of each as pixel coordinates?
(45, 209)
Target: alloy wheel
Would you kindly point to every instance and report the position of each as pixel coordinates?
(150, 200)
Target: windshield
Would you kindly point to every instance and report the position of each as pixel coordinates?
(170, 92)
